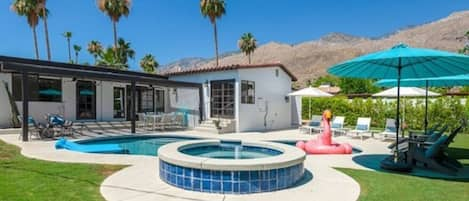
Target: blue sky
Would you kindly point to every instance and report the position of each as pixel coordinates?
(174, 29)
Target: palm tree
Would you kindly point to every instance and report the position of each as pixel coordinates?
(247, 44)
(124, 52)
(213, 9)
(77, 49)
(115, 9)
(68, 36)
(27, 8)
(44, 14)
(95, 48)
(108, 59)
(149, 63)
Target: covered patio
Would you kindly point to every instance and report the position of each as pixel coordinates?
(27, 67)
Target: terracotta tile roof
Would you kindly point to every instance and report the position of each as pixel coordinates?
(205, 69)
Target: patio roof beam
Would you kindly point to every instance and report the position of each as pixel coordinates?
(25, 101)
(133, 100)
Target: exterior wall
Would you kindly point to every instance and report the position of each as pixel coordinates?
(205, 78)
(270, 91)
(5, 111)
(187, 99)
(271, 110)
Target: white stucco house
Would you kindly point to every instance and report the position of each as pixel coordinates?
(253, 96)
(245, 97)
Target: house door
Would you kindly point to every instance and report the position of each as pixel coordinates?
(86, 100)
(222, 99)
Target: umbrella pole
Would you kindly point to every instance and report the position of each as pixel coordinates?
(396, 154)
(309, 104)
(426, 106)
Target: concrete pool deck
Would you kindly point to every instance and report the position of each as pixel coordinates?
(140, 181)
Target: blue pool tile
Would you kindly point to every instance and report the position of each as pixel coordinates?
(254, 175)
(273, 174)
(227, 187)
(180, 181)
(206, 174)
(226, 175)
(216, 175)
(244, 175)
(188, 172)
(236, 187)
(281, 182)
(216, 186)
(196, 185)
(187, 183)
(172, 169)
(272, 185)
(206, 186)
(196, 173)
(255, 186)
(179, 170)
(172, 179)
(264, 185)
(235, 175)
(244, 187)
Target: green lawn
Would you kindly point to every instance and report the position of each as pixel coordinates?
(22, 178)
(388, 186)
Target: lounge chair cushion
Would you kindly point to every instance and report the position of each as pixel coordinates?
(433, 150)
(56, 120)
(335, 125)
(314, 123)
(362, 127)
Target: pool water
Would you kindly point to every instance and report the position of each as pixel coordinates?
(230, 152)
(137, 145)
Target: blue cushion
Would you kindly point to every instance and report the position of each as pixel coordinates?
(314, 123)
(31, 120)
(56, 120)
(336, 125)
(391, 129)
(362, 127)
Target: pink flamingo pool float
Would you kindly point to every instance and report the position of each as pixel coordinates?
(323, 144)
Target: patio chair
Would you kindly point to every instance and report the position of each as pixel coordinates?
(34, 128)
(403, 142)
(362, 127)
(57, 123)
(389, 130)
(165, 121)
(337, 125)
(434, 156)
(313, 125)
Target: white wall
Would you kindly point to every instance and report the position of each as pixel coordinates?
(270, 91)
(185, 100)
(5, 109)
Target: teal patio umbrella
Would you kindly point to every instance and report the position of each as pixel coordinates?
(403, 62)
(50, 92)
(446, 81)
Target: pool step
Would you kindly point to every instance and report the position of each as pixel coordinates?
(227, 126)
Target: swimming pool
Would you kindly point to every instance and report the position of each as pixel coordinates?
(137, 144)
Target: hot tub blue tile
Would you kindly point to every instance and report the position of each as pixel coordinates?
(226, 175)
(235, 175)
(272, 185)
(206, 185)
(264, 185)
(244, 175)
(179, 170)
(265, 174)
(172, 179)
(254, 175)
(180, 181)
(244, 187)
(227, 187)
(236, 187)
(216, 186)
(273, 174)
(196, 173)
(206, 174)
(188, 172)
(216, 175)
(255, 186)
(196, 185)
(187, 182)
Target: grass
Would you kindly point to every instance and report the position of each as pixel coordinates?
(22, 178)
(384, 186)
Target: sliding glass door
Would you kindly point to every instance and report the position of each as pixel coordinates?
(86, 100)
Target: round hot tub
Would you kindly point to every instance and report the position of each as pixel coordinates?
(231, 167)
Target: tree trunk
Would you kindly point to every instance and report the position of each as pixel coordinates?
(36, 49)
(76, 58)
(46, 30)
(114, 26)
(249, 58)
(215, 34)
(69, 51)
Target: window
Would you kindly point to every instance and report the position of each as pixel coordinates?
(40, 89)
(159, 100)
(146, 101)
(247, 92)
(119, 110)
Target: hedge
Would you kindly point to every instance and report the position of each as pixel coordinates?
(442, 110)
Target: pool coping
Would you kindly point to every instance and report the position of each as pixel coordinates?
(290, 156)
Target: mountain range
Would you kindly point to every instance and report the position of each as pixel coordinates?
(309, 60)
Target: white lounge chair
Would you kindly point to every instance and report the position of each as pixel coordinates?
(337, 125)
(389, 130)
(362, 128)
(313, 125)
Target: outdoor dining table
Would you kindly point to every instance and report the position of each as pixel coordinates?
(153, 118)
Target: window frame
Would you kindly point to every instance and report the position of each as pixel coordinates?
(245, 97)
(34, 88)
